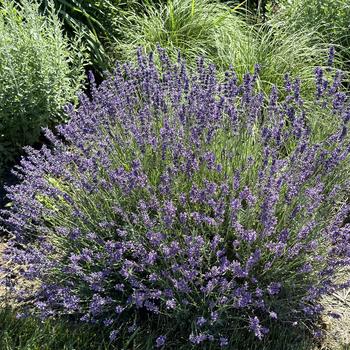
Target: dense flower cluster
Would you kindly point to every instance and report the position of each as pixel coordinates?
(174, 201)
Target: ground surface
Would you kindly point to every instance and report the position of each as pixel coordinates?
(338, 329)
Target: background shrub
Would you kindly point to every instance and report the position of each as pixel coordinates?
(185, 210)
(40, 71)
(217, 32)
(100, 24)
(97, 22)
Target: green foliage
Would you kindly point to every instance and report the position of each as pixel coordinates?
(62, 334)
(98, 23)
(331, 18)
(281, 51)
(194, 27)
(216, 32)
(32, 334)
(39, 72)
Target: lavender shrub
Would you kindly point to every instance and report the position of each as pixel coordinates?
(192, 208)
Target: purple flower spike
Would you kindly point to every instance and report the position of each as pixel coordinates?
(160, 341)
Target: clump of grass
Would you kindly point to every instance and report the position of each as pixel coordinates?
(330, 18)
(298, 53)
(216, 32)
(196, 28)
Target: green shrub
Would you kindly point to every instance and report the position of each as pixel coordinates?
(216, 32)
(39, 72)
(98, 23)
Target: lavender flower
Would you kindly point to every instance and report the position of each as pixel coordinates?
(113, 335)
(160, 341)
(223, 342)
(274, 288)
(257, 329)
(185, 201)
(201, 321)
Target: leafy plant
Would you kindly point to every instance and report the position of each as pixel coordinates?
(98, 22)
(183, 211)
(40, 71)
